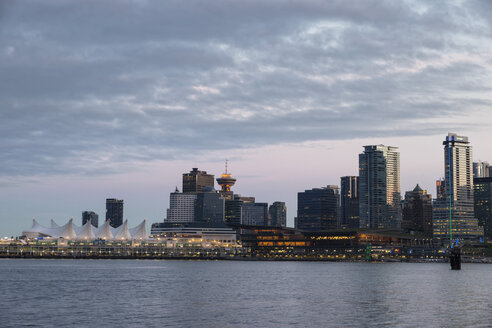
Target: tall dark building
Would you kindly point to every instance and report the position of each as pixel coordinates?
(254, 214)
(317, 209)
(90, 216)
(209, 206)
(196, 180)
(483, 204)
(278, 214)
(114, 212)
(417, 212)
(233, 210)
(379, 188)
(349, 202)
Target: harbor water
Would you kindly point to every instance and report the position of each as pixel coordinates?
(145, 293)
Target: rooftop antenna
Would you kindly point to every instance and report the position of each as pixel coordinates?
(226, 166)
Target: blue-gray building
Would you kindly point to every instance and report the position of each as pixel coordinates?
(318, 209)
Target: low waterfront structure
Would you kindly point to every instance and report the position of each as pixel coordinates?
(70, 231)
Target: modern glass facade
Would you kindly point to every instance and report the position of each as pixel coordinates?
(481, 170)
(379, 188)
(483, 204)
(254, 214)
(417, 212)
(454, 215)
(233, 210)
(209, 207)
(114, 212)
(318, 209)
(278, 214)
(90, 216)
(349, 202)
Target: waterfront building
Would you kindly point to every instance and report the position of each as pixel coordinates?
(87, 232)
(254, 214)
(91, 217)
(481, 169)
(226, 181)
(278, 214)
(318, 208)
(454, 215)
(379, 188)
(349, 202)
(209, 206)
(181, 207)
(483, 204)
(195, 181)
(216, 234)
(114, 212)
(232, 213)
(417, 212)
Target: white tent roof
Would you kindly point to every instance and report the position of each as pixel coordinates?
(87, 231)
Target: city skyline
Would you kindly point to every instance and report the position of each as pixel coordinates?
(114, 100)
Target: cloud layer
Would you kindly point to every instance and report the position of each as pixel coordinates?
(96, 86)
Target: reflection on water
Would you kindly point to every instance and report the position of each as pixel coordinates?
(129, 293)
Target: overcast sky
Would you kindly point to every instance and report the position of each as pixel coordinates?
(102, 99)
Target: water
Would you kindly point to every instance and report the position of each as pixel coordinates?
(132, 293)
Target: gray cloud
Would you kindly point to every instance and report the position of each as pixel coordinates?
(97, 86)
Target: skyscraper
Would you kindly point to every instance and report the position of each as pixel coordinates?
(454, 215)
(317, 209)
(254, 214)
(349, 202)
(278, 214)
(417, 212)
(196, 180)
(209, 206)
(90, 216)
(181, 207)
(114, 212)
(481, 170)
(483, 204)
(379, 188)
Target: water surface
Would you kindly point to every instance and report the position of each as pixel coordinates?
(141, 293)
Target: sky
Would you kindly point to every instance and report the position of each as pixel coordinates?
(117, 99)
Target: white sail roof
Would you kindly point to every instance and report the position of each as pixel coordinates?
(87, 231)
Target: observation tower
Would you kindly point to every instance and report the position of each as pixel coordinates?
(226, 181)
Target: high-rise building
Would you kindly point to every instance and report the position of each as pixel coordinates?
(226, 181)
(481, 170)
(209, 206)
(483, 204)
(114, 212)
(181, 207)
(254, 214)
(90, 216)
(196, 180)
(379, 188)
(278, 214)
(417, 212)
(318, 209)
(441, 189)
(454, 215)
(349, 202)
(233, 210)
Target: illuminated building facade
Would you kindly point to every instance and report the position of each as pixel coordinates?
(349, 202)
(454, 215)
(417, 212)
(90, 216)
(483, 204)
(114, 212)
(195, 181)
(379, 188)
(318, 208)
(233, 210)
(278, 214)
(226, 181)
(481, 170)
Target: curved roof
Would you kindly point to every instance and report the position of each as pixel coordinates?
(87, 231)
